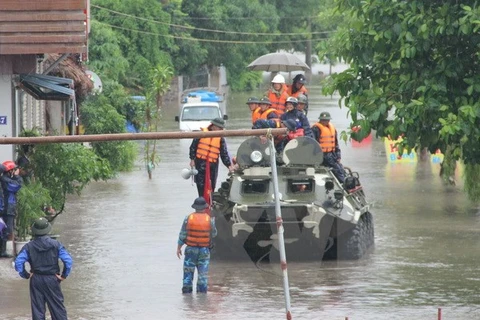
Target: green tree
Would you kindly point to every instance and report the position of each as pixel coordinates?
(231, 19)
(142, 31)
(160, 78)
(415, 72)
(105, 54)
(99, 116)
(66, 168)
(187, 53)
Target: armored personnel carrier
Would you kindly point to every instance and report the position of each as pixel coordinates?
(322, 218)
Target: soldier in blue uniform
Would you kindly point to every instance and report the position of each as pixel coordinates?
(197, 231)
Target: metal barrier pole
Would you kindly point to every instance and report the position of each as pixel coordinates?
(280, 229)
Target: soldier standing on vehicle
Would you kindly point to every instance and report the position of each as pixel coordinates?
(326, 135)
(42, 254)
(197, 232)
(209, 150)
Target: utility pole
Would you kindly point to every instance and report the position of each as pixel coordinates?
(308, 50)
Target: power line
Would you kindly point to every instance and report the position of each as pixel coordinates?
(204, 40)
(252, 18)
(209, 30)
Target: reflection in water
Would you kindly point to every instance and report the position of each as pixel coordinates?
(122, 235)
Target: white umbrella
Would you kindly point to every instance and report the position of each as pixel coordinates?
(278, 62)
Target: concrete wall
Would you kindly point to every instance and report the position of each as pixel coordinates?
(6, 116)
(55, 122)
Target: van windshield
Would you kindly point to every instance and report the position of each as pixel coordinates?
(200, 113)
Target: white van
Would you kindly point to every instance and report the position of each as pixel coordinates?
(196, 114)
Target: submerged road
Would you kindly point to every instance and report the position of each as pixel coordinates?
(122, 235)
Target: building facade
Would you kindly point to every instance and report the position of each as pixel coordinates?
(30, 31)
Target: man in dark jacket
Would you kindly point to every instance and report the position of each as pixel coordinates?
(42, 254)
(209, 150)
(291, 112)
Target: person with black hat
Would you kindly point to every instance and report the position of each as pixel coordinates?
(197, 231)
(11, 183)
(42, 253)
(326, 135)
(203, 150)
(298, 86)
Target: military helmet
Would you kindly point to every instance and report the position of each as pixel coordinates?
(325, 116)
(253, 100)
(292, 100)
(219, 122)
(41, 227)
(302, 99)
(265, 100)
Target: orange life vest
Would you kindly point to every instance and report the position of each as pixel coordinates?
(327, 136)
(256, 114)
(278, 102)
(198, 230)
(208, 148)
(302, 90)
(264, 114)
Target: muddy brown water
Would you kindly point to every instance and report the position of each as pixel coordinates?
(122, 235)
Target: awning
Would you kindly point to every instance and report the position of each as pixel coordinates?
(43, 87)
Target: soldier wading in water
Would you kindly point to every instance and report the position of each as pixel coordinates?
(197, 231)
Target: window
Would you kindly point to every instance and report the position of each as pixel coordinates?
(200, 113)
(301, 185)
(255, 186)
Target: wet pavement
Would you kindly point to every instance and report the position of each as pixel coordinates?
(122, 235)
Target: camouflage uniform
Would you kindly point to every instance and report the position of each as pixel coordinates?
(195, 257)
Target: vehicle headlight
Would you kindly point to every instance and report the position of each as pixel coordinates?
(256, 156)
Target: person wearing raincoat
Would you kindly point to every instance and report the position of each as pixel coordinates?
(11, 183)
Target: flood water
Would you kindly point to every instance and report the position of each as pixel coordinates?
(122, 235)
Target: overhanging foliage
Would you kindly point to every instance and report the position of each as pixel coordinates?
(414, 72)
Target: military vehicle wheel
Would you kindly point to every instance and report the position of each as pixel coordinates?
(371, 231)
(353, 244)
